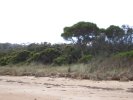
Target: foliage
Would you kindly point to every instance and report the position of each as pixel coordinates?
(81, 33)
(61, 60)
(47, 56)
(87, 41)
(72, 54)
(114, 33)
(21, 56)
(125, 54)
(34, 57)
(6, 60)
(85, 59)
(3, 61)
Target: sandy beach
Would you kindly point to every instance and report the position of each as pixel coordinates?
(48, 88)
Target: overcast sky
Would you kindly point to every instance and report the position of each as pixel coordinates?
(23, 21)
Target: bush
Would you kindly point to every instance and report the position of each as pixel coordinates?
(72, 54)
(128, 55)
(34, 57)
(6, 60)
(60, 60)
(3, 61)
(21, 56)
(47, 56)
(85, 58)
(125, 54)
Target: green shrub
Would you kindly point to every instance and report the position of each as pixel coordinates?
(60, 60)
(72, 54)
(3, 62)
(6, 60)
(47, 56)
(85, 58)
(125, 54)
(21, 56)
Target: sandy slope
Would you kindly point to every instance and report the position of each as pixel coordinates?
(45, 88)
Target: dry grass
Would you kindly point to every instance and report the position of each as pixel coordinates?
(30, 70)
(95, 70)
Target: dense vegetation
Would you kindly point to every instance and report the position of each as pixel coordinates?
(112, 46)
(87, 41)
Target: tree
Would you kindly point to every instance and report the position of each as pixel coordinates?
(81, 33)
(114, 39)
(114, 34)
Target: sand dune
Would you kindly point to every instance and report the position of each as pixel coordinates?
(46, 88)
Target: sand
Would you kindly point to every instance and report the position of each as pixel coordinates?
(46, 88)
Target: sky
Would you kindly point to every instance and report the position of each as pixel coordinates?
(36, 21)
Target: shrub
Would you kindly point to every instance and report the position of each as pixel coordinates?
(47, 56)
(3, 61)
(60, 60)
(21, 56)
(85, 58)
(125, 54)
(72, 54)
(34, 57)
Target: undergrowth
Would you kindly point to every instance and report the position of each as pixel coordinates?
(97, 69)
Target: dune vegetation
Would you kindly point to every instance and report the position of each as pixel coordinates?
(93, 53)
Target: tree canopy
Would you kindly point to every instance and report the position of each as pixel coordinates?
(81, 33)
